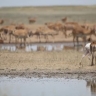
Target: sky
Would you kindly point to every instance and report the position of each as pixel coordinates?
(9, 3)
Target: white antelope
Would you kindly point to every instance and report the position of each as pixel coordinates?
(90, 49)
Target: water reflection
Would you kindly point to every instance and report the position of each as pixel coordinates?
(36, 47)
(29, 48)
(92, 86)
(8, 47)
(43, 87)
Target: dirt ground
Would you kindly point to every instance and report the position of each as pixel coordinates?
(42, 63)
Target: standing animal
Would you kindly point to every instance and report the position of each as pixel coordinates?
(21, 26)
(45, 32)
(22, 34)
(86, 52)
(1, 21)
(7, 30)
(32, 20)
(90, 49)
(64, 19)
(1, 41)
(48, 32)
(58, 26)
(93, 52)
(78, 31)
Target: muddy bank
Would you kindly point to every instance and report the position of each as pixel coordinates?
(50, 74)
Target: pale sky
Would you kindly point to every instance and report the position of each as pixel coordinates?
(7, 3)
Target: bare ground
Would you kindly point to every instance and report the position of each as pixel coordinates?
(46, 64)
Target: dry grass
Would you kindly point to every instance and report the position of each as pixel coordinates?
(60, 60)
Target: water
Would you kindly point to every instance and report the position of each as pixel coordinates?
(36, 46)
(46, 87)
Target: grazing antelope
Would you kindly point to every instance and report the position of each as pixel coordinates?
(90, 49)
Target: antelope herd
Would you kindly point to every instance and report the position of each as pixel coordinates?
(48, 29)
(20, 31)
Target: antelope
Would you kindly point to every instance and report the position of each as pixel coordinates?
(21, 33)
(1, 41)
(32, 20)
(86, 52)
(48, 32)
(90, 49)
(43, 31)
(64, 19)
(56, 27)
(37, 32)
(7, 30)
(93, 52)
(78, 31)
(21, 26)
(1, 21)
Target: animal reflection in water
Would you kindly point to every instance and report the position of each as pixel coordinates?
(92, 85)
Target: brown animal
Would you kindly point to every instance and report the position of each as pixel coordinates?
(73, 23)
(22, 34)
(67, 27)
(58, 26)
(93, 52)
(1, 41)
(43, 31)
(64, 19)
(7, 30)
(48, 32)
(32, 20)
(78, 31)
(21, 26)
(36, 32)
(1, 21)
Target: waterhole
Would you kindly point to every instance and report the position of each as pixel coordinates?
(46, 87)
(37, 47)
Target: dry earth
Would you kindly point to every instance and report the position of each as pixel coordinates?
(42, 63)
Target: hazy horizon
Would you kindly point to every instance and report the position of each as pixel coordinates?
(18, 3)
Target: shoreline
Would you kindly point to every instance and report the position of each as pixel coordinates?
(49, 74)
